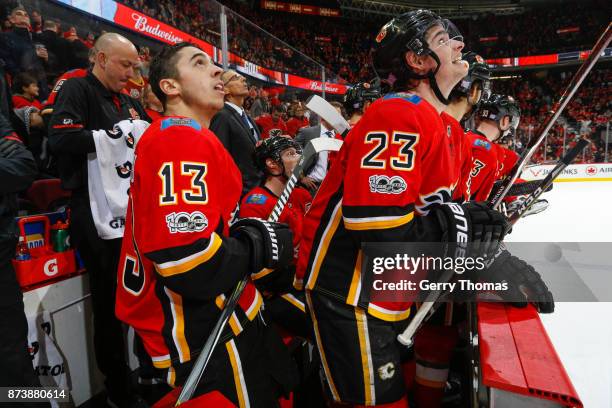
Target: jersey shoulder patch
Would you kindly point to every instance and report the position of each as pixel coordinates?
(409, 97)
(256, 199)
(169, 122)
(482, 143)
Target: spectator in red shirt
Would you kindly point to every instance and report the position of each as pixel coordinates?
(25, 91)
(297, 121)
(272, 124)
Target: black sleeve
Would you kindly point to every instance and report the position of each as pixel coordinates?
(18, 170)
(203, 269)
(67, 134)
(219, 125)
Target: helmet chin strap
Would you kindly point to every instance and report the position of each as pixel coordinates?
(432, 79)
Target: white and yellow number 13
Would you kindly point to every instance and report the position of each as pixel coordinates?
(196, 195)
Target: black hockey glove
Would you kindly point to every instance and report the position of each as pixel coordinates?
(274, 281)
(270, 243)
(7, 147)
(471, 229)
(522, 280)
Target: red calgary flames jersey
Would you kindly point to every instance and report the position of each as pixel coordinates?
(461, 156)
(394, 164)
(260, 201)
(506, 160)
(268, 126)
(484, 165)
(177, 260)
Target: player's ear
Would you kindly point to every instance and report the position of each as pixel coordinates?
(415, 62)
(170, 86)
(504, 124)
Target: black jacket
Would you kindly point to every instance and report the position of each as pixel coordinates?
(16, 174)
(58, 49)
(237, 139)
(83, 105)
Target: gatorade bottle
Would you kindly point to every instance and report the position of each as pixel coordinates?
(60, 238)
(23, 252)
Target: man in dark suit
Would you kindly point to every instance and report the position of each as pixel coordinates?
(315, 174)
(236, 130)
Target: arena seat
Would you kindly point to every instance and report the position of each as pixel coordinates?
(47, 195)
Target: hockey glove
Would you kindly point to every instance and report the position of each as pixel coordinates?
(274, 281)
(472, 229)
(7, 147)
(522, 280)
(270, 243)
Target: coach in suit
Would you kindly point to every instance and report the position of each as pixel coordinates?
(236, 130)
(315, 174)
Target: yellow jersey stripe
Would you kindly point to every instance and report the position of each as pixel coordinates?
(294, 301)
(388, 315)
(188, 263)
(361, 224)
(329, 232)
(366, 357)
(241, 390)
(355, 288)
(178, 327)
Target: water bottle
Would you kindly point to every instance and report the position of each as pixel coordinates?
(22, 252)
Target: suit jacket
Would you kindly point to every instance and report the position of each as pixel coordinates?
(305, 135)
(237, 139)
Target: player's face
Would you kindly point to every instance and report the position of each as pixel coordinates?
(199, 80)
(290, 158)
(448, 49)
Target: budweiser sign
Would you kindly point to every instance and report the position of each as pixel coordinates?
(318, 86)
(141, 23)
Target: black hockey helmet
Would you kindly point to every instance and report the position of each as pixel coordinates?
(478, 72)
(407, 33)
(357, 95)
(272, 148)
(496, 107)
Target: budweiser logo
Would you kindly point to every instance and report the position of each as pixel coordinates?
(318, 86)
(141, 23)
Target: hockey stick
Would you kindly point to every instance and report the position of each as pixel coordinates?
(521, 189)
(547, 181)
(567, 95)
(329, 114)
(308, 156)
(427, 308)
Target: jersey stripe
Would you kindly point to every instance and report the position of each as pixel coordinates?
(261, 274)
(294, 301)
(171, 377)
(189, 262)
(328, 233)
(241, 389)
(386, 314)
(161, 361)
(233, 320)
(178, 327)
(355, 288)
(369, 223)
(252, 311)
(366, 357)
(326, 370)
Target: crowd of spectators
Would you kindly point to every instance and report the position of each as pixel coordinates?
(35, 50)
(342, 45)
(587, 114)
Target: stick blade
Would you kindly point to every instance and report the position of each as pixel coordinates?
(327, 112)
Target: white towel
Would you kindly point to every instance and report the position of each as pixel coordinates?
(109, 173)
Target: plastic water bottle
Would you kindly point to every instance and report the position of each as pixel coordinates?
(23, 252)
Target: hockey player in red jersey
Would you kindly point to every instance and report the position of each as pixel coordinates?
(182, 253)
(391, 182)
(463, 100)
(276, 157)
(499, 116)
(358, 98)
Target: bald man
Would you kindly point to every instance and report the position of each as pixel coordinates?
(94, 102)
